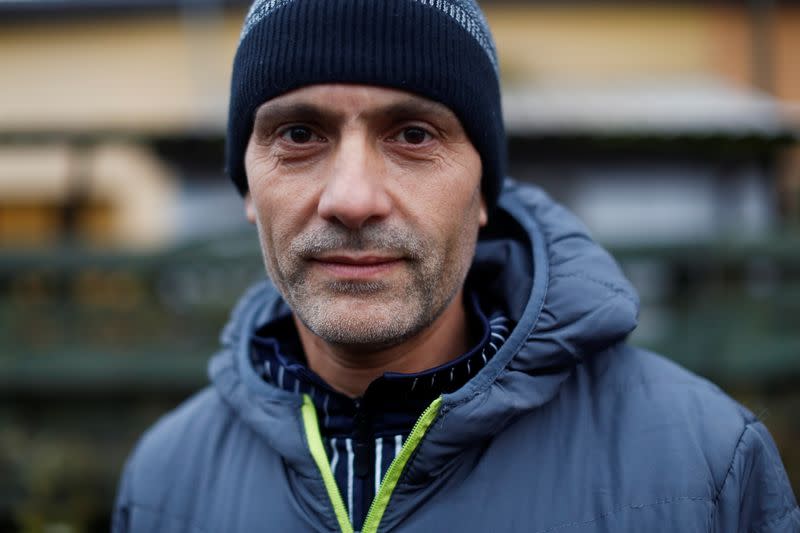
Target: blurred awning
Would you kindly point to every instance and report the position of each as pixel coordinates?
(661, 108)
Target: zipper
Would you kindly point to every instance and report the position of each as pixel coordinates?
(363, 459)
(392, 476)
(390, 479)
(317, 449)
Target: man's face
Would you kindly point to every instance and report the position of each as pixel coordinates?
(367, 203)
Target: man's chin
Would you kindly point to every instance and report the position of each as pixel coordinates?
(361, 324)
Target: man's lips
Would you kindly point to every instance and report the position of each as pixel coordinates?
(357, 266)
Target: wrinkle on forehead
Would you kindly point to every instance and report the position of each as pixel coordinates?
(337, 101)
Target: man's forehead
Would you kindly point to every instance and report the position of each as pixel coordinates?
(345, 99)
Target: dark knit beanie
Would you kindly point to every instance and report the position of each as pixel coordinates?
(438, 49)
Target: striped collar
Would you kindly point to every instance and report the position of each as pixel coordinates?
(393, 401)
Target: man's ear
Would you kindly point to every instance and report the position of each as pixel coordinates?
(483, 214)
(249, 208)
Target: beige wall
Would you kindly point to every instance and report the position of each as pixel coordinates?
(608, 44)
(167, 73)
(787, 53)
(600, 43)
(156, 73)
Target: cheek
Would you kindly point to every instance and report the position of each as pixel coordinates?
(282, 207)
(283, 212)
(276, 200)
(453, 222)
(274, 228)
(259, 166)
(454, 202)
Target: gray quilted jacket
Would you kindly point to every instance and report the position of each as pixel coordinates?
(568, 428)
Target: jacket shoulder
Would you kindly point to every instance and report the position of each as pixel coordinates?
(637, 372)
(643, 385)
(173, 455)
(693, 427)
(176, 432)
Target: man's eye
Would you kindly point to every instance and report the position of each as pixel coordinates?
(414, 135)
(298, 134)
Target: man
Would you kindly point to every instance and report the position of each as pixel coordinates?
(399, 373)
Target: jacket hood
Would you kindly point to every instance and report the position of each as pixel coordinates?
(535, 262)
(569, 299)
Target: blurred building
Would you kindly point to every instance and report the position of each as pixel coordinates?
(671, 128)
(111, 120)
(112, 114)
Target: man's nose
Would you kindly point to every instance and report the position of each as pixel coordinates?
(355, 189)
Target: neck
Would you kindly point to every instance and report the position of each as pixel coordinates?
(350, 369)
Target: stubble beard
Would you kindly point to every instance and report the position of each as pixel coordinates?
(375, 314)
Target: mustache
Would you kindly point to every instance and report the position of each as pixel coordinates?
(373, 238)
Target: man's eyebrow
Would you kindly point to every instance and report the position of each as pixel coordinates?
(272, 112)
(413, 108)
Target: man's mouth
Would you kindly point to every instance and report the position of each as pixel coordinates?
(357, 266)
